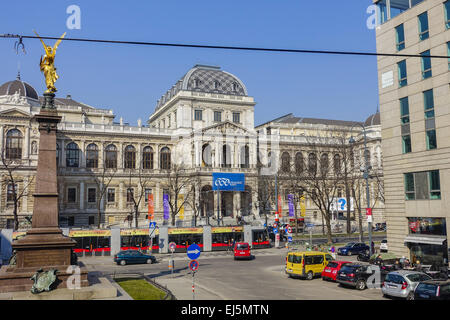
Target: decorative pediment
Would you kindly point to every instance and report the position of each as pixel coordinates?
(14, 112)
(227, 127)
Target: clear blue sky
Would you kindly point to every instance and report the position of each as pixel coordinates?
(130, 79)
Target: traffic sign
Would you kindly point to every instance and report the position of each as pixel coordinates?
(275, 230)
(193, 265)
(289, 239)
(172, 246)
(275, 225)
(310, 225)
(289, 230)
(193, 251)
(152, 225)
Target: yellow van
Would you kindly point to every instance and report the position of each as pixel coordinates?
(306, 264)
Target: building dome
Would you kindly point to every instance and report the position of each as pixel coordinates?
(373, 120)
(206, 79)
(22, 88)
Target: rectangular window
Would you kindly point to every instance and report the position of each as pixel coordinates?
(400, 37)
(130, 195)
(423, 26)
(402, 74)
(217, 116)
(10, 193)
(426, 64)
(422, 185)
(198, 115)
(448, 54)
(147, 193)
(406, 140)
(404, 110)
(92, 192)
(431, 139)
(428, 102)
(111, 197)
(432, 226)
(447, 13)
(71, 195)
(236, 117)
(91, 220)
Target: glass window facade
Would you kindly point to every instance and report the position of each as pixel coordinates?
(402, 74)
(423, 26)
(198, 115)
(430, 226)
(426, 64)
(447, 13)
(424, 185)
(400, 37)
(217, 116)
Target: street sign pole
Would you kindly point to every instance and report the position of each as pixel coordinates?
(193, 286)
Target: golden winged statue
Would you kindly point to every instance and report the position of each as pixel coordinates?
(47, 64)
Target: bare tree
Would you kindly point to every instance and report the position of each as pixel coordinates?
(194, 203)
(102, 180)
(178, 182)
(11, 178)
(134, 196)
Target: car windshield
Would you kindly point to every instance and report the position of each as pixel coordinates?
(383, 241)
(350, 244)
(348, 269)
(242, 246)
(418, 277)
(332, 265)
(427, 287)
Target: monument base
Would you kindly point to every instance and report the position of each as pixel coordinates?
(100, 288)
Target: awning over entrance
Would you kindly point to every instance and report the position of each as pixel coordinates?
(438, 240)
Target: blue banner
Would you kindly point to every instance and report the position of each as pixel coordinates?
(228, 181)
(166, 206)
(291, 205)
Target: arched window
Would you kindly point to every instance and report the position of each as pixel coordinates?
(312, 163)
(14, 144)
(245, 157)
(72, 155)
(206, 155)
(285, 162)
(299, 162)
(147, 158)
(226, 156)
(111, 157)
(130, 157)
(337, 163)
(165, 158)
(324, 163)
(92, 156)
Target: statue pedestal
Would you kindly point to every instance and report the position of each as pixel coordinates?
(44, 246)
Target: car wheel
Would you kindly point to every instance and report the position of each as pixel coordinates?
(123, 262)
(310, 275)
(360, 285)
(149, 261)
(349, 253)
(410, 296)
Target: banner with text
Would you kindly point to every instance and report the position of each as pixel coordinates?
(228, 181)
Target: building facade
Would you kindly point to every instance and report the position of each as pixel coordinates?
(107, 170)
(414, 103)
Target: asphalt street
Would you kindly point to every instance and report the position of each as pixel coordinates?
(220, 277)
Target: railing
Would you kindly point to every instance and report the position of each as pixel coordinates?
(75, 126)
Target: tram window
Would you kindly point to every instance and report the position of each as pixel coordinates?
(103, 242)
(79, 244)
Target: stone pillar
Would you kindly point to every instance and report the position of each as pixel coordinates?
(82, 154)
(163, 239)
(25, 196)
(121, 196)
(26, 150)
(115, 240)
(102, 200)
(81, 197)
(207, 238)
(236, 203)
(2, 136)
(248, 234)
(139, 156)
(157, 200)
(63, 154)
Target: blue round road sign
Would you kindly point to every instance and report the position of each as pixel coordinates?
(193, 265)
(193, 251)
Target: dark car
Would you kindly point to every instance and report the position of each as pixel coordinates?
(433, 290)
(353, 248)
(133, 256)
(354, 275)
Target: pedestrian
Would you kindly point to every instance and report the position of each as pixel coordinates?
(372, 246)
(444, 272)
(418, 266)
(397, 265)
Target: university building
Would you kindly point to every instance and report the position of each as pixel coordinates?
(415, 116)
(203, 124)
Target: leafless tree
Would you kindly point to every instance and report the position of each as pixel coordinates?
(178, 182)
(102, 178)
(12, 178)
(136, 193)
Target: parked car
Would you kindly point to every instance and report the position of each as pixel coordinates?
(306, 264)
(331, 270)
(402, 283)
(384, 246)
(433, 290)
(133, 256)
(363, 256)
(242, 250)
(353, 248)
(354, 275)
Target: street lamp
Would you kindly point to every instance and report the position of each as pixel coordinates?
(366, 177)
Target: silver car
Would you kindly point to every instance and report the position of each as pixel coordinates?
(402, 283)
